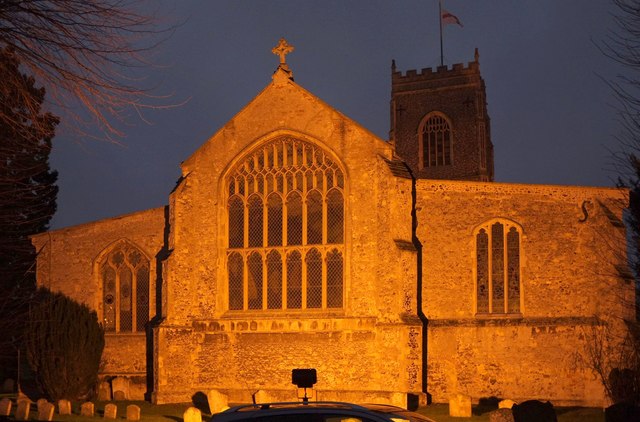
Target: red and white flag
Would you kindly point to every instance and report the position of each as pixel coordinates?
(449, 18)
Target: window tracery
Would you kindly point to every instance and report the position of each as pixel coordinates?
(125, 281)
(435, 141)
(498, 268)
(285, 229)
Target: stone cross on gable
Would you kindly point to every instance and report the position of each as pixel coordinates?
(282, 49)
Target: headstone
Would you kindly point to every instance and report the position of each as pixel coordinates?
(133, 412)
(120, 384)
(5, 407)
(501, 415)
(40, 403)
(534, 411)
(217, 401)
(64, 407)
(87, 409)
(622, 412)
(22, 411)
(110, 411)
(104, 391)
(460, 406)
(506, 404)
(45, 411)
(8, 385)
(262, 396)
(192, 414)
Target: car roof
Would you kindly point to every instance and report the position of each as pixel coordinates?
(373, 411)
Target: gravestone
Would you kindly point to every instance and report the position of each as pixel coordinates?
(110, 411)
(192, 414)
(120, 384)
(262, 396)
(133, 412)
(622, 412)
(460, 406)
(501, 415)
(5, 407)
(534, 411)
(64, 407)
(45, 411)
(506, 404)
(217, 401)
(40, 403)
(104, 391)
(8, 385)
(22, 411)
(87, 409)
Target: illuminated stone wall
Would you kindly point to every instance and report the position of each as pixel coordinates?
(568, 259)
(369, 347)
(68, 262)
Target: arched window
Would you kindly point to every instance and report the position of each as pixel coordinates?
(288, 197)
(498, 268)
(435, 141)
(125, 289)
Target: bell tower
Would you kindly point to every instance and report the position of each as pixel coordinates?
(439, 122)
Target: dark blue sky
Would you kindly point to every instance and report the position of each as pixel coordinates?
(552, 119)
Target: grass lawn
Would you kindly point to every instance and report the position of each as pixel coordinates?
(173, 413)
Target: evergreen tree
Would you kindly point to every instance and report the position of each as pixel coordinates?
(27, 185)
(27, 197)
(64, 346)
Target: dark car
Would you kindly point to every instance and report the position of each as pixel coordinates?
(318, 412)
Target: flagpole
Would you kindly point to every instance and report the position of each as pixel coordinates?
(440, 16)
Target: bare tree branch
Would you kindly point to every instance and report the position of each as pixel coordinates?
(88, 55)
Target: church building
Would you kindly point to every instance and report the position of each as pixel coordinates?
(399, 269)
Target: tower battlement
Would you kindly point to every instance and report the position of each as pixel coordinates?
(429, 73)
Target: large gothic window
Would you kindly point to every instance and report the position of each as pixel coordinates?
(435, 142)
(498, 268)
(285, 229)
(125, 289)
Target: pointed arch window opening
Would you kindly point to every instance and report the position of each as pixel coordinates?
(498, 269)
(125, 290)
(436, 142)
(285, 229)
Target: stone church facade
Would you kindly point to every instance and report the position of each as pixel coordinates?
(296, 238)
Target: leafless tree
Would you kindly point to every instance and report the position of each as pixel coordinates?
(88, 55)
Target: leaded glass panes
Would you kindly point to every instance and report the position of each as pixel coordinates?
(255, 281)
(255, 221)
(274, 280)
(314, 279)
(286, 199)
(498, 268)
(314, 218)
(274, 218)
(513, 269)
(436, 142)
(236, 222)
(335, 217)
(235, 266)
(294, 280)
(334, 279)
(482, 262)
(125, 286)
(294, 219)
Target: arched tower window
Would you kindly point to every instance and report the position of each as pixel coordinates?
(498, 268)
(125, 289)
(435, 141)
(286, 229)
